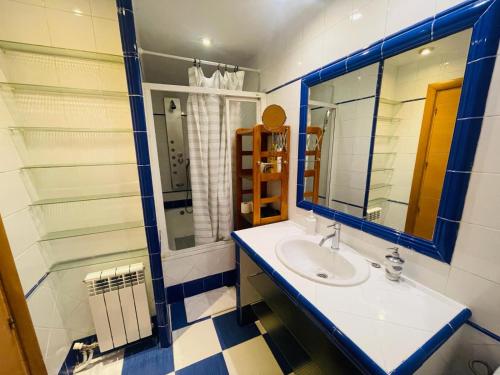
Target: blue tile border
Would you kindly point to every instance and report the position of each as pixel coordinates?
(482, 16)
(134, 84)
(484, 330)
(37, 284)
(364, 363)
(378, 87)
(178, 292)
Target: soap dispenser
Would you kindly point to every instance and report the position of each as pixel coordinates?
(311, 223)
(393, 265)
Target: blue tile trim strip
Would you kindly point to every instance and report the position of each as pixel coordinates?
(134, 83)
(365, 364)
(178, 292)
(34, 287)
(374, 132)
(355, 100)
(349, 204)
(484, 330)
(482, 16)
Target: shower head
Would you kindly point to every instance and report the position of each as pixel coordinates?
(326, 120)
(173, 107)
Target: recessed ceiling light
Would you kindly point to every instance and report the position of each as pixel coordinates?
(206, 42)
(426, 51)
(356, 16)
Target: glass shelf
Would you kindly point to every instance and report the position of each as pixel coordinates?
(388, 119)
(56, 51)
(102, 259)
(83, 198)
(379, 186)
(36, 166)
(389, 101)
(375, 201)
(382, 169)
(90, 230)
(61, 90)
(386, 136)
(69, 130)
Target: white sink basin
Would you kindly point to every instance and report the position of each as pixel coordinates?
(303, 255)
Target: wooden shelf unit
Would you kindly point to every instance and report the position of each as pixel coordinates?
(316, 156)
(264, 210)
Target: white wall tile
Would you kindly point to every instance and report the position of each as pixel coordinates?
(404, 13)
(476, 251)
(13, 194)
(23, 23)
(30, 267)
(177, 270)
(75, 6)
(428, 271)
(107, 36)
(42, 335)
(21, 231)
(9, 159)
(58, 346)
(482, 203)
(480, 295)
(487, 157)
(371, 26)
(446, 4)
(493, 102)
(71, 30)
(104, 9)
(43, 309)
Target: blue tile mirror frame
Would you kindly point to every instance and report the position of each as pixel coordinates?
(483, 18)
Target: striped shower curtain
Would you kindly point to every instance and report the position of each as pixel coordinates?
(210, 156)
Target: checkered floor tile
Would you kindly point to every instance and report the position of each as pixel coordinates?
(212, 345)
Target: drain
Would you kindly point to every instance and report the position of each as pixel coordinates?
(322, 275)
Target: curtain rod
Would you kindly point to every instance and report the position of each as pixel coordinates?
(205, 62)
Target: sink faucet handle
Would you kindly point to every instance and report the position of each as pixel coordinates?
(335, 225)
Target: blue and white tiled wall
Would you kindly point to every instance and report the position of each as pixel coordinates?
(472, 277)
(134, 82)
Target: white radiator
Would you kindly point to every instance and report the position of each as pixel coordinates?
(373, 214)
(119, 305)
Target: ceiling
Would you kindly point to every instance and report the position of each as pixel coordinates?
(456, 45)
(238, 29)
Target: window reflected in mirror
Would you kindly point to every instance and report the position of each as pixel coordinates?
(385, 159)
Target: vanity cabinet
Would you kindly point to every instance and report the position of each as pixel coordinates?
(306, 346)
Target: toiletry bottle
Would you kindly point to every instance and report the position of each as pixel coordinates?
(311, 223)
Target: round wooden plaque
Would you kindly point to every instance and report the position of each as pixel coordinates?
(273, 117)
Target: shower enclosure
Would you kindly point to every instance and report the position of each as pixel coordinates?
(167, 117)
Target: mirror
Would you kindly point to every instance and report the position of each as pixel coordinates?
(378, 138)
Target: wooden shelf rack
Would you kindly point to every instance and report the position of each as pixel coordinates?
(270, 202)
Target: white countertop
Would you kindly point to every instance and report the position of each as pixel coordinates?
(388, 320)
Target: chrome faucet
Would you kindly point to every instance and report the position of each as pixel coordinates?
(335, 236)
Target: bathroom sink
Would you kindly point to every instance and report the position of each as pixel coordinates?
(303, 255)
